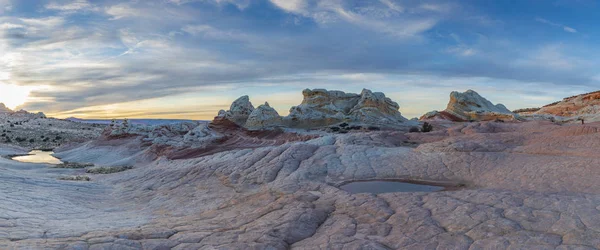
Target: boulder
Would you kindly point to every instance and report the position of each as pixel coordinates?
(239, 111)
(375, 108)
(322, 108)
(263, 117)
(470, 106)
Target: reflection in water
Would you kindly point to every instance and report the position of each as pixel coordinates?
(378, 187)
(38, 156)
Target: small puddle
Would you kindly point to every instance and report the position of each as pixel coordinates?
(38, 156)
(379, 187)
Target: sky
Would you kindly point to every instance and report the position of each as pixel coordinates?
(188, 59)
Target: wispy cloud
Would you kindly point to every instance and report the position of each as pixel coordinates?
(558, 25)
(78, 54)
(72, 7)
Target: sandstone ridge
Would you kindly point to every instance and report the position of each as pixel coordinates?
(571, 109)
(319, 108)
(470, 106)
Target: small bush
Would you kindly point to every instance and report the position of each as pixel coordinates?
(414, 130)
(426, 127)
(75, 178)
(73, 165)
(31, 140)
(373, 128)
(108, 170)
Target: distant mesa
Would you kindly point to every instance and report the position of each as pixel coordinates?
(319, 108)
(470, 106)
(6, 111)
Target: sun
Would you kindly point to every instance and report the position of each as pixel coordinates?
(13, 95)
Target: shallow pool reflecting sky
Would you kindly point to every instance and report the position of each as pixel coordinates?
(38, 156)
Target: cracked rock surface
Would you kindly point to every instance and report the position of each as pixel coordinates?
(529, 185)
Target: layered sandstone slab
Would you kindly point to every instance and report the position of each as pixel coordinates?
(319, 108)
(529, 185)
(263, 117)
(470, 106)
(571, 109)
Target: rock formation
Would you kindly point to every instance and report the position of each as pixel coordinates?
(319, 108)
(263, 117)
(470, 106)
(4, 109)
(570, 109)
(239, 111)
(529, 185)
(375, 108)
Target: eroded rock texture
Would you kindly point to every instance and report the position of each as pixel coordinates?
(263, 117)
(470, 106)
(529, 185)
(239, 111)
(320, 108)
(572, 109)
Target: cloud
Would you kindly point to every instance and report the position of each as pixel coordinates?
(392, 5)
(156, 51)
(375, 17)
(563, 27)
(71, 7)
(5, 6)
(210, 32)
(553, 57)
(293, 6)
(124, 10)
(6, 26)
(240, 4)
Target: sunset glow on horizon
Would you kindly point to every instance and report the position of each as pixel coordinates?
(188, 59)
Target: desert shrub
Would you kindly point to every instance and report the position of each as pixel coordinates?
(373, 128)
(31, 140)
(426, 127)
(108, 170)
(414, 130)
(75, 178)
(73, 165)
(343, 125)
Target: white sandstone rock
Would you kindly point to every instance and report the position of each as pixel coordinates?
(470, 106)
(323, 108)
(263, 117)
(239, 111)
